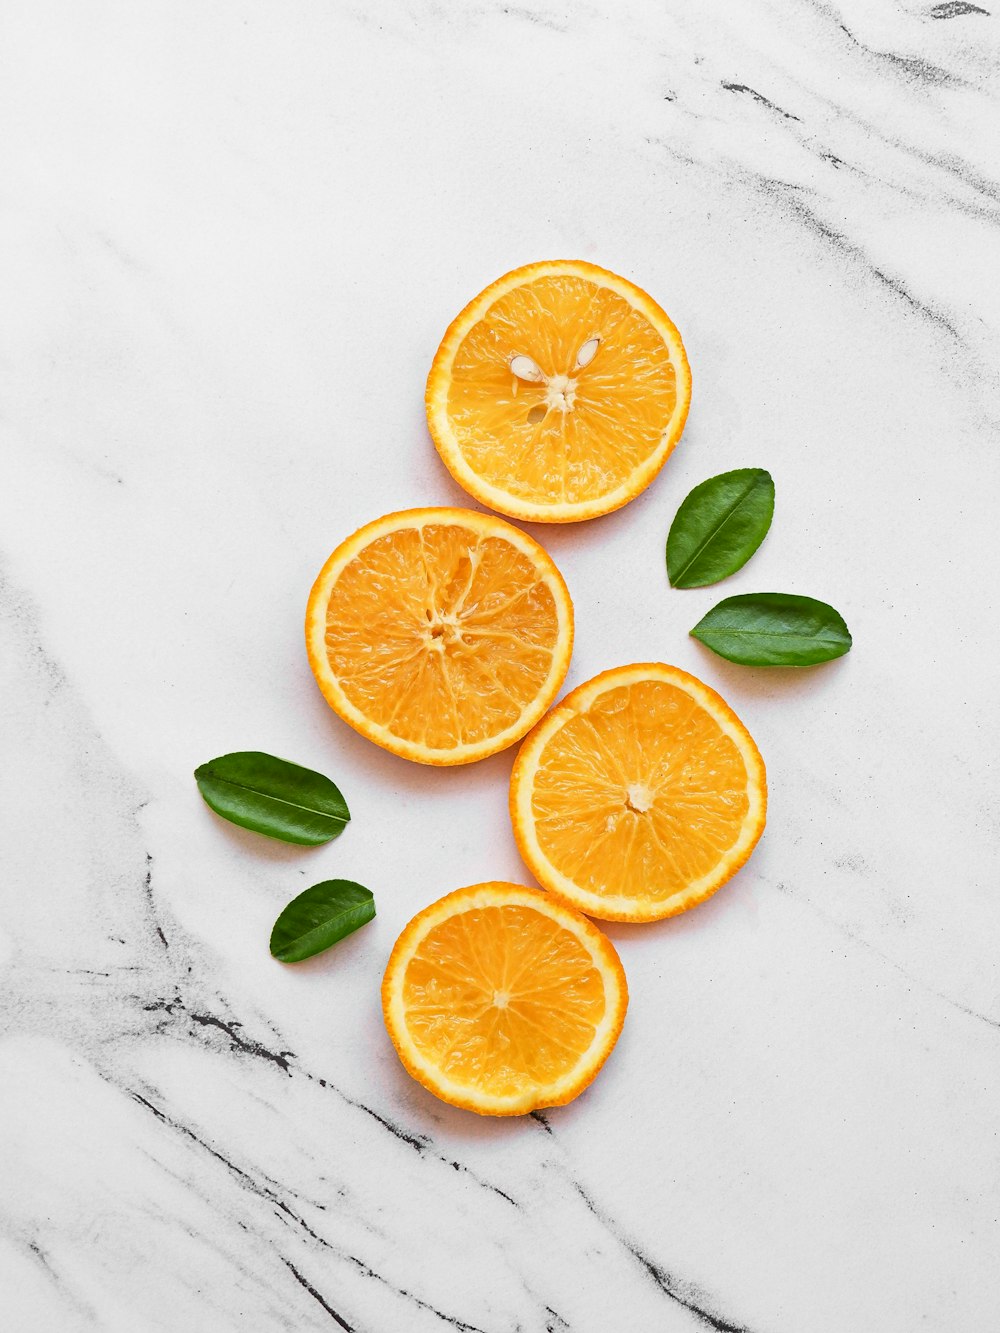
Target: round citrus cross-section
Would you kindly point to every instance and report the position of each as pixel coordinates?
(639, 795)
(558, 393)
(501, 1000)
(440, 634)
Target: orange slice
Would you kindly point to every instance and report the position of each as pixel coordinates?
(440, 634)
(558, 393)
(639, 795)
(501, 1000)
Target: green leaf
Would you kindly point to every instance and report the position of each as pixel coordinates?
(718, 527)
(774, 629)
(274, 797)
(320, 917)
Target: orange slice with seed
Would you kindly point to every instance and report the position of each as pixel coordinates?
(558, 393)
(440, 634)
(639, 795)
(499, 999)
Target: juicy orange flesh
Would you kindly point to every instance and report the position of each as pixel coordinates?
(441, 635)
(509, 432)
(502, 999)
(641, 795)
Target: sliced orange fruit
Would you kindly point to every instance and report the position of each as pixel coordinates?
(440, 634)
(639, 795)
(500, 999)
(558, 393)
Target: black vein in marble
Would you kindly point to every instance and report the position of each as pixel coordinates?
(683, 1294)
(956, 9)
(201, 1017)
(245, 1178)
(947, 164)
(243, 1044)
(421, 1304)
(184, 1023)
(540, 1119)
(264, 1188)
(851, 250)
(951, 165)
(147, 888)
(272, 1196)
(913, 67)
(760, 98)
(789, 195)
(41, 1258)
(337, 1318)
(420, 1143)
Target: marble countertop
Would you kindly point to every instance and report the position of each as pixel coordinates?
(233, 234)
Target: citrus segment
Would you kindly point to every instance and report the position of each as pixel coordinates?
(558, 393)
(639, 795)
(440, 634)
(501, 1000)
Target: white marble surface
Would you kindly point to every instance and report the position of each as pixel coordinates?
(232, 236)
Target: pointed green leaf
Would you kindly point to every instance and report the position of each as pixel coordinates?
(718, 527)
(273, 796)
(774, 629)
(320, 917)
